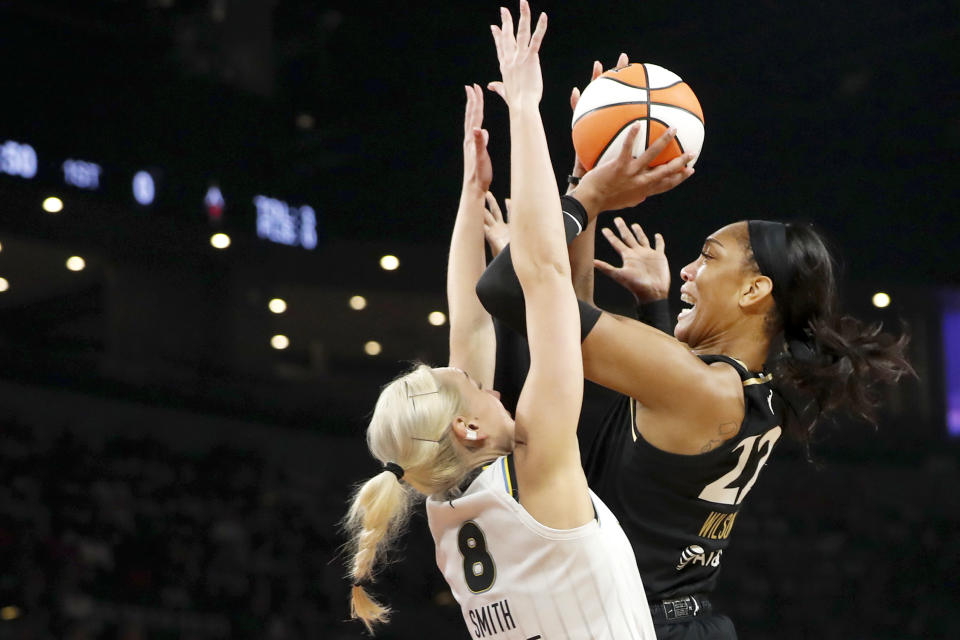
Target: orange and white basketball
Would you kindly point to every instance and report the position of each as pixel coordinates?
(645, 93)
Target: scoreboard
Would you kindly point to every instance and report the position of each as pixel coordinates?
(271, 218)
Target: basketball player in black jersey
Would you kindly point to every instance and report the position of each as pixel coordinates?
(761, 351)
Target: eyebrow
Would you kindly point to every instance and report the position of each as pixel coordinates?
(713, 240)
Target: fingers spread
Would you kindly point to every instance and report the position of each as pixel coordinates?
(622, 61)
(497, 88)
(523, 25)
(626, 152)
(508, 42)
(641, 236)
(497, 40)
(538, 34)
(574, 98)
(628, 237)
(661, 245)
(658, 145)
(613, 240)
(604, 267)
(597, 70)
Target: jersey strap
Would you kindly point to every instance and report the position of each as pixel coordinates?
(749, 378)
(509, 470)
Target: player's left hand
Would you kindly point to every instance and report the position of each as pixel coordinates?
(477, 169)
(645, 272)
(622, 61)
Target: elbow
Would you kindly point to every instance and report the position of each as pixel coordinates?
(534, 272)
(498, 287)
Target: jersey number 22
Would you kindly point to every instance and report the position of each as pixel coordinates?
(756, 449)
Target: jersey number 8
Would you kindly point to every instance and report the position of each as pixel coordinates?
(478, 568)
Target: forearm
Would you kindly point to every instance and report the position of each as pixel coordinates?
(656, 314)
(471, 328)
(582, 251)
(535, 231)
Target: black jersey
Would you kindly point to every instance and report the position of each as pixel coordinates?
(679, 510)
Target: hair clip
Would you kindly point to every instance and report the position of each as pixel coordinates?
(406, 386)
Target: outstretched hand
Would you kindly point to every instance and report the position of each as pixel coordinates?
(519, 57)
(477, 169)
(645, 272)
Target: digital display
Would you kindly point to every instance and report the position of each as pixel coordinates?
(951, 360)
(281, 223)
(214, 202)
(18, 159)
(82, 174)
(144, 189)
(276, 220)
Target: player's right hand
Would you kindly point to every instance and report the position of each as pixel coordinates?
(519, 56)
(625, 181)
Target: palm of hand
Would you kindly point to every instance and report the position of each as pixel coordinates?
(518, 54)
(646, 273)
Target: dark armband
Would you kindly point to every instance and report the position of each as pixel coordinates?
(499, 289)
(656, 314)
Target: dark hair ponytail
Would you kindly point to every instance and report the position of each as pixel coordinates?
(830, 362)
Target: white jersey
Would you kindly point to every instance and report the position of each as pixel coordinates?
(518, 579)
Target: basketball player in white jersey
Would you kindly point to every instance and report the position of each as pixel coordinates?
(528, 550)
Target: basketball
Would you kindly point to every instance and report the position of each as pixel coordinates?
(646, 93)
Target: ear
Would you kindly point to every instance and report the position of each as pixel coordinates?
(756, 295)
(468, 431)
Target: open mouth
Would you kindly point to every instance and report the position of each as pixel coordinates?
(686, 298)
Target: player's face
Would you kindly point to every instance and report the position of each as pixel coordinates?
(712, 286)
(482, 408)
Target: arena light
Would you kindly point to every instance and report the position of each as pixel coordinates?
(358, 302)
(1, 246)
(437, 318)
(4, 284)
(279, 342)
(9, 612)
(53, 204)
(76, 263)
(372, 348)
(277, 305)
(389, 263)
(881, 300)
(220, 241)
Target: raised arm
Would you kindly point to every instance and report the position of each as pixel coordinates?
(549, 407)
(582, 249)
(472, 339)
(619, 353)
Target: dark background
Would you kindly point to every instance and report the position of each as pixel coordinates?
(167, 474)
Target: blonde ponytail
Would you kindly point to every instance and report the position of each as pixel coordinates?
(410, 427)
(376, 517)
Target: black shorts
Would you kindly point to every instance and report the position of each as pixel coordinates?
(711, 627)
